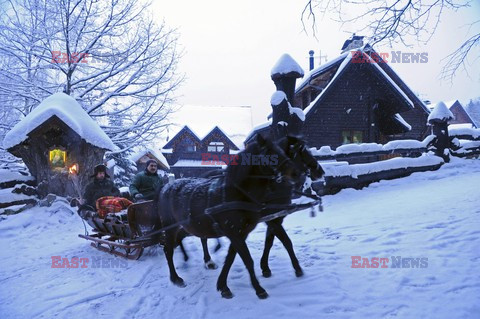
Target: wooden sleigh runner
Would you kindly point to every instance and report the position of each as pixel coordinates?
(127, 233)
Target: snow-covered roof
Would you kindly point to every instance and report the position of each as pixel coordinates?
(342, 66)
(136, 156)
(449, 104)
(400, 119)
(235, 121)
(320, 69)
(68, 110)
(258, 128)
(345, 58)
(441, 113)
(389, 79)
(286, 65)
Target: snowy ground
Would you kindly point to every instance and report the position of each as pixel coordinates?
(434, 215)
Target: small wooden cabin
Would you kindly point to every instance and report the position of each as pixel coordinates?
(60, 144)
(141, 158)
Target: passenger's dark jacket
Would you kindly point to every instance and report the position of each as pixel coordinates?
(147, 184)
(99, 188)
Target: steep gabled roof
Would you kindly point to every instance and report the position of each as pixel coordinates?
(330, 65)
(186, 130)
(235, 121)
(381, 68)
(460, 112)
(218, 130)
(67, 110)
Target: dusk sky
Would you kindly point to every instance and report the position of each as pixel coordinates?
(230, 48)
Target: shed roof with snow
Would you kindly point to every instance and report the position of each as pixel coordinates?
(68, 111)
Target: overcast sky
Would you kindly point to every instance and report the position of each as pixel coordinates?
(231, 46)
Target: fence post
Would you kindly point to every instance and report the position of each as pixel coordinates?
(439, 119)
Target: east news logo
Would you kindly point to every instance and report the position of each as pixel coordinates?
(383, 262)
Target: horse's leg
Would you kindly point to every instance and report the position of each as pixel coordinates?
(185, 255)
(219, 245)
(168, 248)
(209, 264)
(242, 249)
(280, 233)
(266, 251)
(222, 278)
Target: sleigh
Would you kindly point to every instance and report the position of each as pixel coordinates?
(124, 234)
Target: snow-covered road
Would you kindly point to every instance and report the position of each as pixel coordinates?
(434, 215)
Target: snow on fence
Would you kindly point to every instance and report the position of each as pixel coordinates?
(464, 141)
(416, 156)
(406, 148)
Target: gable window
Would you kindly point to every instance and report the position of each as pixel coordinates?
(186, 145)
(216, 147)
(57, 158)
(349, 137)
(190, 148)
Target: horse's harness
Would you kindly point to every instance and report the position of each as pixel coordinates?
(254, 205)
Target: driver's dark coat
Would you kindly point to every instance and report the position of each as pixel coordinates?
(100, 188)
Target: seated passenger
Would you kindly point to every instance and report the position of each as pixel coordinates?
(147, 183)
(102, 194)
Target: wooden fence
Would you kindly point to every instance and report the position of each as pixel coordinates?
(344, 168)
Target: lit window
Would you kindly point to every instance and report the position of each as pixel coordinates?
(349, 137)
(57, 158)
(216, 147)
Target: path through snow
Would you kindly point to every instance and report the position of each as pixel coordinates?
(434, 215)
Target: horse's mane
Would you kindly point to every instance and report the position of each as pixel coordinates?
(237, 172)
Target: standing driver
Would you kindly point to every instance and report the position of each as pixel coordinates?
(147, 183)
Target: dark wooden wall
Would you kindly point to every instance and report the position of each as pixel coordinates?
(348, 105)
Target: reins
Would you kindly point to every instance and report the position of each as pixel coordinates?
(286, 209)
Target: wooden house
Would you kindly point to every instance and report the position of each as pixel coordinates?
(60, 144)
(355, 98)
(190, 156)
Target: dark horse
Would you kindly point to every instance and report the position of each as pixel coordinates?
(281, 193)
(184, 204)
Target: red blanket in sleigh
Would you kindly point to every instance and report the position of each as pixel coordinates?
(111, 204)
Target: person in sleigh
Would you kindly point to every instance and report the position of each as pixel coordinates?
(102, 194)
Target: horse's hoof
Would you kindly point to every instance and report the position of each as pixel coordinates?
(262, 295)
(210, 265)
(179, 282)
(227, 294)
(267, 273)
(299, 273)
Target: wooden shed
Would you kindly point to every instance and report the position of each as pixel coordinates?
(141, 158)
(60, 144)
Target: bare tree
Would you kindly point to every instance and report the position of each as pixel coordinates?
(396, 21)
(109, 55)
